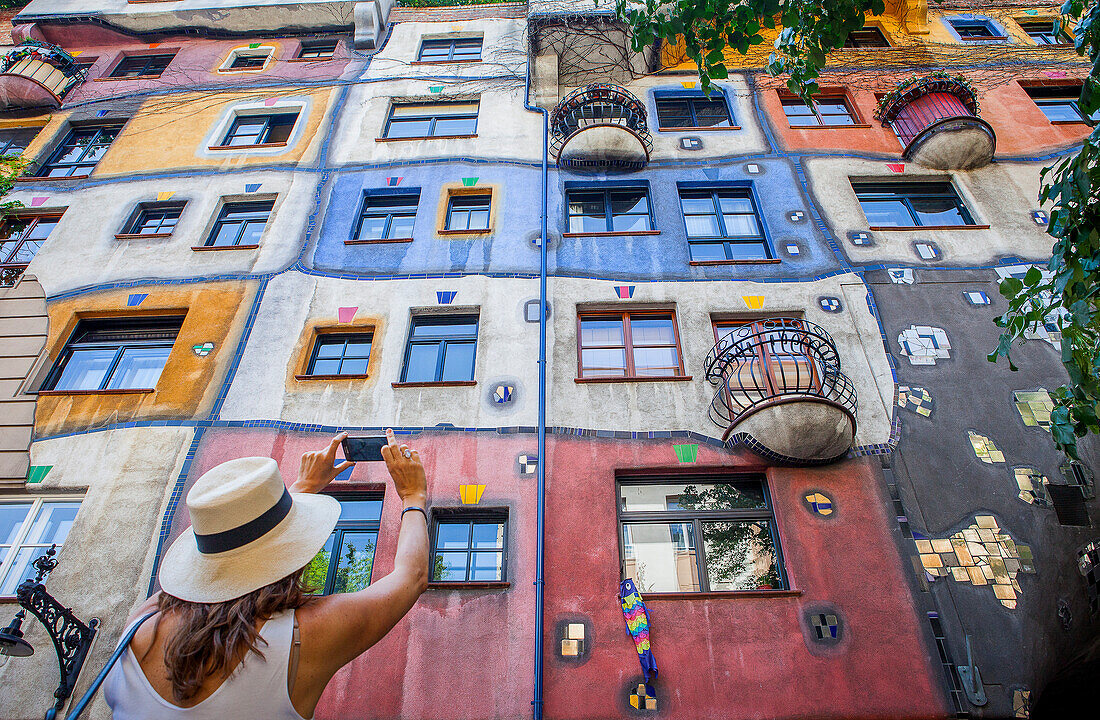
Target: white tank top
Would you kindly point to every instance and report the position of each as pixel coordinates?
(256, 690)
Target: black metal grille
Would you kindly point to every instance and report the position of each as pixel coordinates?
(598, 104)
(762, 361)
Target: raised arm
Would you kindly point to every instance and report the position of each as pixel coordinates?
(338, 628)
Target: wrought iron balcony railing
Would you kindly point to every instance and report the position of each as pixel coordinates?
(775, 361)
(621, 139)
(37, 74)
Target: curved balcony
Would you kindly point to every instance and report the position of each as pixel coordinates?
(36, 74)
(936, 119)
(781, 391)
(600, 128)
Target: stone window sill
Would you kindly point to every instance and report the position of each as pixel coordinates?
(444, 383)
(331, 377)
(478, 231)
(640, 378)
(215, 248)
(381, 241)
(928, 227)
(425, 137)
(615, 233)
(139, 236)
(444, 62)
(247, 147)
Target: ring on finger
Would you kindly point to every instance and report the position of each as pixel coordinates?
(406, 452)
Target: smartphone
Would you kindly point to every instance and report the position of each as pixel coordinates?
(364, 448)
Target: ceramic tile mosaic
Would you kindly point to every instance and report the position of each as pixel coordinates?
(686, 453)
(860, 238)
(752, 169)
(641, 701)
(830, 304)
(346, 314)
(135, 299)
(1021, 704)
(826, 626)
(252, 187)
(753, 302)
(503, 393)
(624, 292)
(927, 251)
(1088, 563)
(792, 249)
(394, 181)
(445, 297)
(984, 448)
(165, 196)
(1040, 217)
(1033, 486)
(976, 297)
(915, 399)
(710, 173)
(895, 167)
(924, 344)
(203, 349)
(982, 554)
(38, 201)
(470, 494)
(797, 216)
(900, 276)
(469, 181)
(691, 142)
(527, 464)
(1035, 407)
(38, 473)
(820, 503)
(572, 645)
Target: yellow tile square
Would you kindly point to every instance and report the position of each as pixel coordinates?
(986, 521)
(651, 703)
(960, 574)
(941, 546)
(570, 648)
(976, 575)
(931, 561)
(575, 631)
(924, 546)
(987, 572)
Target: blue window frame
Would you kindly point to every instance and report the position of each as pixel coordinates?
(450, 50)
(424, 120)
(341, 354)
(115, 354)
(723, 224)
(248, 130)
(240, 224)
(692, 110)
(441, 348)
(80, 151)
(912, 204)
(469, 546)
(346, 561)
(615, 209)
(387, 216)
(974, 28)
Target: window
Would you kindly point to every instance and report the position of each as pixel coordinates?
(251, 130)
(612, 210)
(80, 151)
(976, 29)
(468, 547)
(133, 66)
(115, 354)
(27, 529)
(21, 237)
(868, 37)
(13, 141)
(450, 50)
(780, 362)
(722, 224)
(1042, 32)
(468, 212)
(445, 119)
(1058, 102)
(441, 349)
(693, 111)
(240, 224)
(154, 219)
(387, 217)
(828, 111)
(317, 49)
(709, 535)
(345, 563)
(911, 204)
(245, 61)
(636, 345)
(340, 354)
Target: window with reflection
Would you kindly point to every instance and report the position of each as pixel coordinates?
(723, 224)
(1043, 32)
(635, 345)
(693, 110)
(133, 66)
(1060, 103)
(115, 354)
(28, 527)
(450, 50)
(13, 141)
(441, 348)
(912, 204)
(595, 210)
(468, 212)
(340, 354)
(387, 217)
(468, 546)
(317, 49)
(827, 111)
(975, 29)
(248, 130)
(21, 237)
(439, 119)
(345, 563)
(702, 535)
(240, 224)
(154, 219)
(774, 356)
(80, 151)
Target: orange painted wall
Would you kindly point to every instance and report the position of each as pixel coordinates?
(189, 383)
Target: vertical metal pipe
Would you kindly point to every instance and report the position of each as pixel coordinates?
(536, 701)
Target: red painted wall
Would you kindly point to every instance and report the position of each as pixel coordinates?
(738, 657)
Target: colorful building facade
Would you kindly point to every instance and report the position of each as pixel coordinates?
(766, 399)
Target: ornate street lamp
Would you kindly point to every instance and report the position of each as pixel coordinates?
(71, 637)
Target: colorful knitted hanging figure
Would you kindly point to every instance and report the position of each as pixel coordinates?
(637, 626)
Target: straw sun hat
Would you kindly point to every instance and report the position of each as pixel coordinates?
(247, 530)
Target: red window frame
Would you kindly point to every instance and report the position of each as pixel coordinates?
(624, 316)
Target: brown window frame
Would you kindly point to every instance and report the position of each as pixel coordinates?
(823, 95)
(768, 363)
(630, 373)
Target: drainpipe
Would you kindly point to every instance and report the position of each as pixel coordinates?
(536, 702)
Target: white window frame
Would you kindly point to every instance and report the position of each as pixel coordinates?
(18, 543)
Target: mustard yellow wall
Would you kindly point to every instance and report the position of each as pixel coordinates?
(188, 385)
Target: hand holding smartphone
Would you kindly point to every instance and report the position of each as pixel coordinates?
(364, 448)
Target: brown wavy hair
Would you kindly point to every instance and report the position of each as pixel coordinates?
(209, 638)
